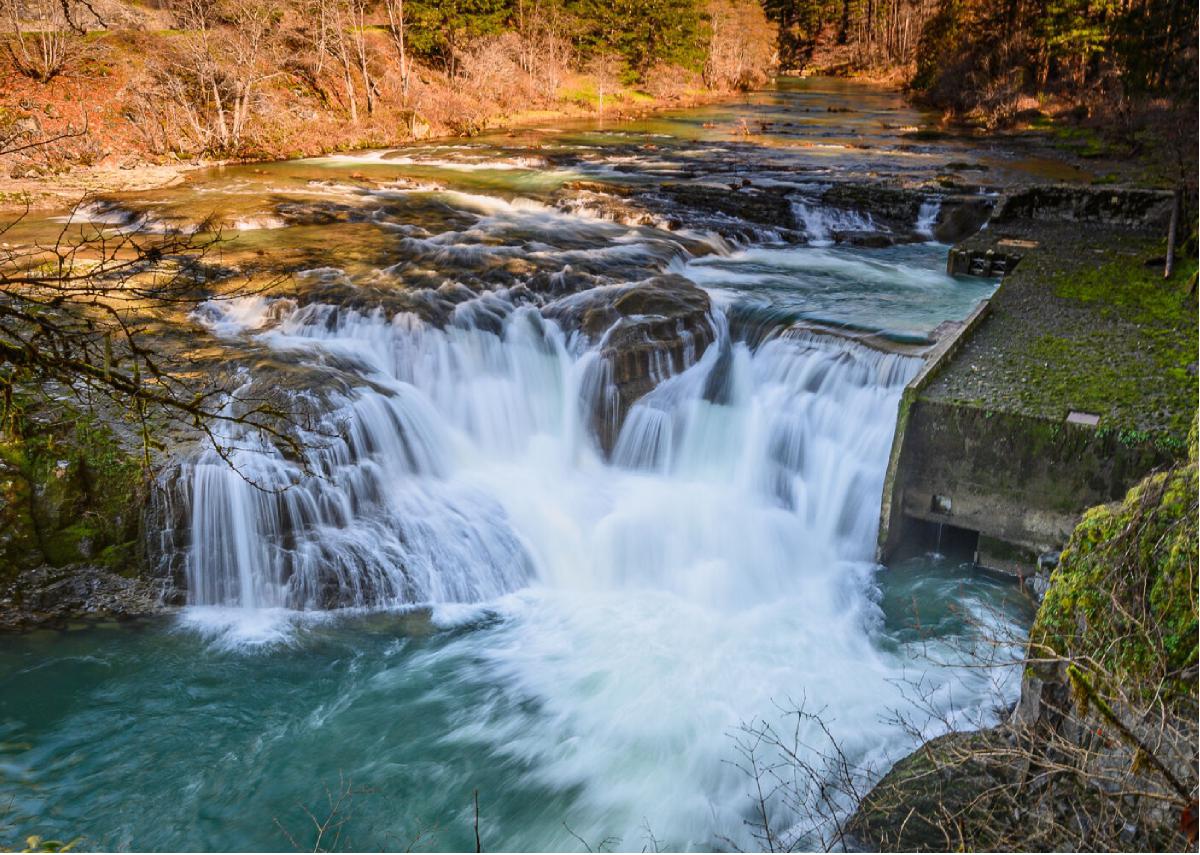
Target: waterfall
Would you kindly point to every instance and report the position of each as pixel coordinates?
(371, 516)
(821, 224)
(462, 464)
(927, 216)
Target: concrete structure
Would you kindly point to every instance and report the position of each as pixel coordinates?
(1012, 428)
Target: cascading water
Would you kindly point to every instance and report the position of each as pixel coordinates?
(927, 216)
(742, 496)
(821, 224)
(459, 467)
(403, 505)
(472, 580)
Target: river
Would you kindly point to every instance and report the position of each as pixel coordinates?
(466, 588)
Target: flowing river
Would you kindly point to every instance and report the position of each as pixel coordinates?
(489, 575)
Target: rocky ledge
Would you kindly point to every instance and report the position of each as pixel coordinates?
(646, 332)
(57, 596)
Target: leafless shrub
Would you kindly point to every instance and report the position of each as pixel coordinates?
(84, 315)
(800, 790)
(491, 68)
(1086, 761)
(670, 82)
(544, 49)
(44, 37)
(205, 94)
(327, 826)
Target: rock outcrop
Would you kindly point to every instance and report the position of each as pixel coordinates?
(58, 596)
(647, 331)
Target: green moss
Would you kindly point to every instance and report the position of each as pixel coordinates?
(1132, 368)
(1123, 601)
(69, 492)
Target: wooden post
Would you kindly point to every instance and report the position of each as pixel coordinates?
(1172, 231)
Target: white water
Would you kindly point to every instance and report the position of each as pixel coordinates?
(717, 567)
(711, 570)
(927, 216)
(471, 468)
(821, 223)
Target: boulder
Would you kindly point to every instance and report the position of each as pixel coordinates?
(960, 217)
(645, 331)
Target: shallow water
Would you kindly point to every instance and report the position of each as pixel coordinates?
(573, 634)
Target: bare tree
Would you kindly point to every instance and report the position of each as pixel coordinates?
(81, 315)
(605, 70)
(209, 91)
(342, 35)
(43, 39)
(396, 26)
(544, 49)
(739, 52)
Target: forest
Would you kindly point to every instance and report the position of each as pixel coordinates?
(284, 77)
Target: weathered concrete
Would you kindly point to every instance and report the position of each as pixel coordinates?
(1021, 481)
(934, 360)
(1067, 387)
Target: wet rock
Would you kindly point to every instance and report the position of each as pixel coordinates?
(55, 596)
(961, 217)
(646, 331)
(869, 240)
(930, 800)
(314, 213)
(1148, 209)
(767, 206)
(964, 166)
(895, 208)
(600, 187)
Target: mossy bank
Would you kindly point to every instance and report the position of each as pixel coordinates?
(1100, 752)
(72, 492)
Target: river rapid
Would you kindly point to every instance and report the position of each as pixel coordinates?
(500, 572)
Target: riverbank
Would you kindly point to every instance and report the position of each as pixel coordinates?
(134, 98)
(1100, 752)
(66, 185)
(1060, 435)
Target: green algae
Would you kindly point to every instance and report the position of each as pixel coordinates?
(1087, 322)
(1140, 363)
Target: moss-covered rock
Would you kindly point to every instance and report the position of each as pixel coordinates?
(69, 492)
(1124, 597)
(930, 801)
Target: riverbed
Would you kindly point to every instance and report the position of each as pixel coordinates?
(473, 595)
